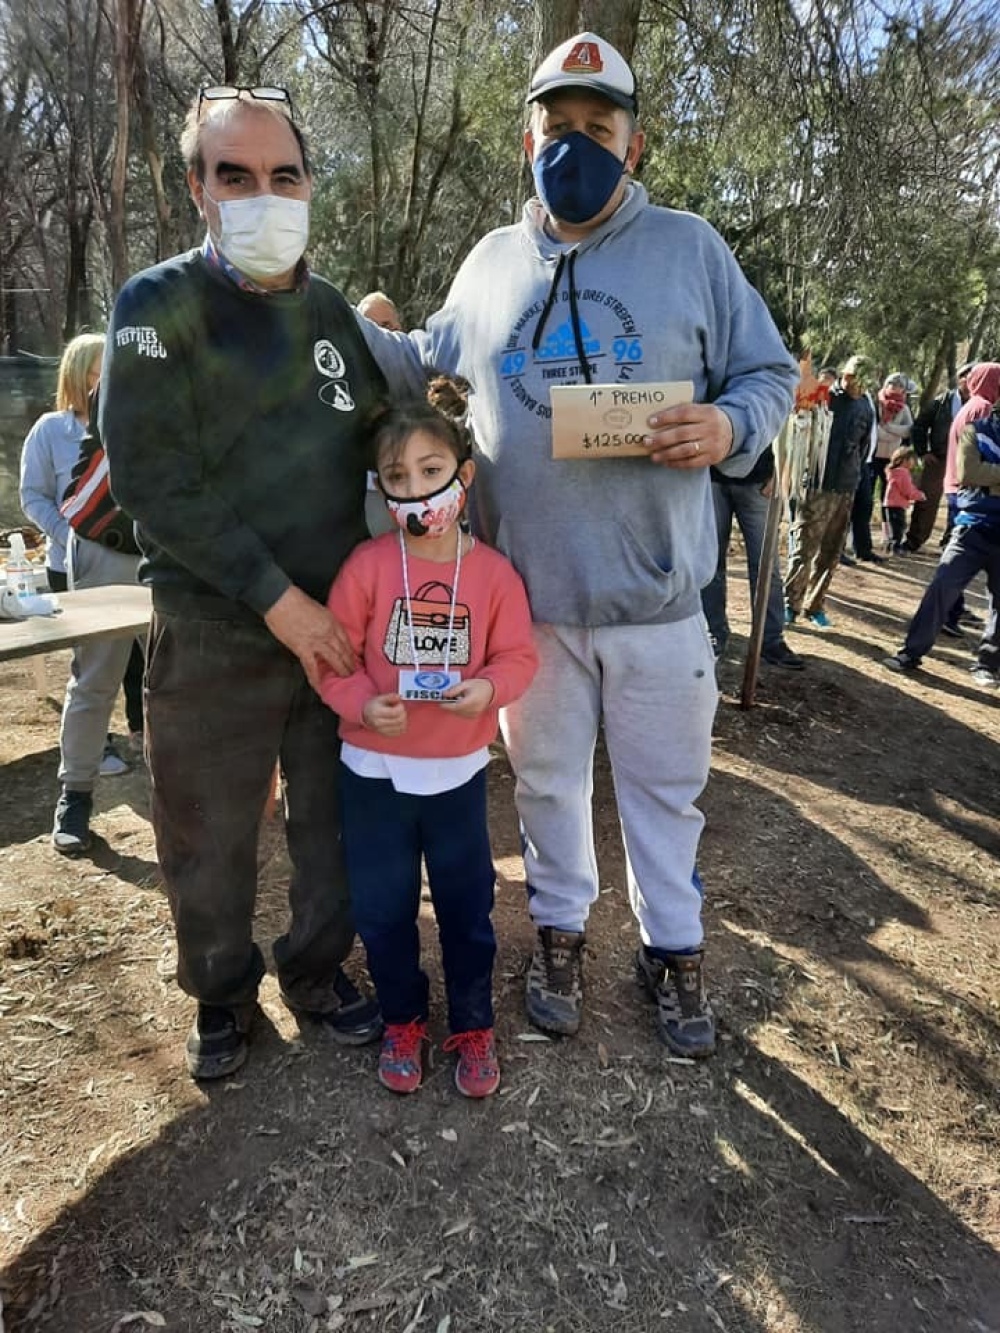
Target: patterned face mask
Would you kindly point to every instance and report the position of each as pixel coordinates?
(429, 515)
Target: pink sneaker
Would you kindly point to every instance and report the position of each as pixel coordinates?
(400, 1061)
(477, 1073)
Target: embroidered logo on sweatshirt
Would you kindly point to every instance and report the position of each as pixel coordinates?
(609, 341)
(330, 363)
(143, 338)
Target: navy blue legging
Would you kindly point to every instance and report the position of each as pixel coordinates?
(386, 833)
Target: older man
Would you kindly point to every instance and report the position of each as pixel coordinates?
(816, 539)
(597, 286)
(236, 387)
(381, 310)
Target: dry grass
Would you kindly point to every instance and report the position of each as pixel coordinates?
(833, 1169)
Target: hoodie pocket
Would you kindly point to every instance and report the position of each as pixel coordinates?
(599, 572)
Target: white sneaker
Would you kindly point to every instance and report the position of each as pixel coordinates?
(112, 764)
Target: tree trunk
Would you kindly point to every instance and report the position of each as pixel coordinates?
(617, 21)
(165, 237)
(128, 18)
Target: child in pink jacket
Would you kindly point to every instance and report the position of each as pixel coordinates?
(441, 630)
(900, 492)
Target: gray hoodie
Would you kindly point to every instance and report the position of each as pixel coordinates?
(652, 294)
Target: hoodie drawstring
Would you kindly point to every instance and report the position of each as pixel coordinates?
(574, 313)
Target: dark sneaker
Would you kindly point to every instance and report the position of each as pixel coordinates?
(218, 1040)
(554, 993)
(848, 560)
(971, 619)
(354, 1020)
(871, 559)
(780, 655)
(400, 1061)
(901, 662)
(71, 831)
(684, 1019)
(477, 1073)
(952, 632)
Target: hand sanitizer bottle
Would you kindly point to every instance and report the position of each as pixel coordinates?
(20, 575)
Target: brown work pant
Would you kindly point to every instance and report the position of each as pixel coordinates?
(924, 513)
(224, 701)
(816, 541)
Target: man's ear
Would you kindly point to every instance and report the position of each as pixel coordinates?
(196, 188)
(528, 142)
(636, 146)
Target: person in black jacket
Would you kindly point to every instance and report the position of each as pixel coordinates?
(816, 540)
(929, 438)
(236, 397)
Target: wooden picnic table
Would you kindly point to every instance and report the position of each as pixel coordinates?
(114, 611)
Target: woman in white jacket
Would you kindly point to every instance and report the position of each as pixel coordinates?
(893, 423)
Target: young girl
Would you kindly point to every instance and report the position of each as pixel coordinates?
(900, 493)
(442, 633)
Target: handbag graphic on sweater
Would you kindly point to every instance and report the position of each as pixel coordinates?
(427, 615)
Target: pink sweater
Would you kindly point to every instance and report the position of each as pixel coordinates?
(900, 490)
(491, 640)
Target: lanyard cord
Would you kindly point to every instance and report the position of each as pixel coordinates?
(409, 601)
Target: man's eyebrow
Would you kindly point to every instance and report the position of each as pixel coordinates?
(288, 169)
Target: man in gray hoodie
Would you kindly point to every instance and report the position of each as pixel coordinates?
(596, 285)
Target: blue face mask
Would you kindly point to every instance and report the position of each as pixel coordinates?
(575, 177)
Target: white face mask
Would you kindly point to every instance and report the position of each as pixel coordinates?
(263, 236)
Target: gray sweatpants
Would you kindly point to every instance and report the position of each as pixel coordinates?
(655, 685)
(97, 669)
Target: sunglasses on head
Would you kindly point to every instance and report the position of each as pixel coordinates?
(227, 92)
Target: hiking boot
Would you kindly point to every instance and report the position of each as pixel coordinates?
(354, 1020)
(218, 1040)
(71, 831)
(112, 764)
(554, 993)
(819, 618)
(684, 1018)
(901, 662)
(477, 1073)
(400, 1061)
(779, 654)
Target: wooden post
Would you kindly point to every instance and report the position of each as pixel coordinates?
(769, 549)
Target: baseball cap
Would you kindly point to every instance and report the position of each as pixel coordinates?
(586, 61)
(964, 369)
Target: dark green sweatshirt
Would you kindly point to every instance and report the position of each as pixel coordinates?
(234, 424)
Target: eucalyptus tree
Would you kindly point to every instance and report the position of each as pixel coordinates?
(410, 113)
(55, 160)
(847, 152)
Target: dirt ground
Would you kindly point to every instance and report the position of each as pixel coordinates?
(833, 1169)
